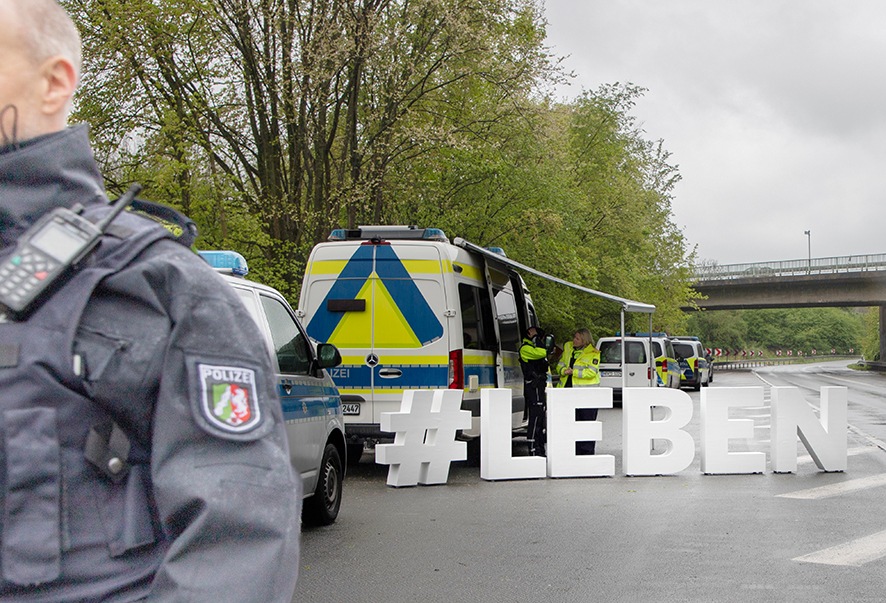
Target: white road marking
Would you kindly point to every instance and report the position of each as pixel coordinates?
(876, 442)
(855, 552)
(851, 485)
(851, 452)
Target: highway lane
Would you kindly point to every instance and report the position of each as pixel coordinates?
(808, 536)
(866, 391)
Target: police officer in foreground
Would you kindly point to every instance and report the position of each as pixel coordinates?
(142, 448)
(534, 350)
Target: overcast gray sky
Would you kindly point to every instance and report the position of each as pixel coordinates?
(774, 111)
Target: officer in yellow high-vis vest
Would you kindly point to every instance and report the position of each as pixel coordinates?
(579, 366)
(534, 352)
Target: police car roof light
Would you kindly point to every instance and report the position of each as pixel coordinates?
(229, 262)
(498, 250)
(387, 232)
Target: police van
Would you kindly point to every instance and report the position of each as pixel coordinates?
(695, 368)
(411, 310)
(649, 361)
(311, 402)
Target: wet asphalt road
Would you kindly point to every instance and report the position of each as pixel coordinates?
(684, 537)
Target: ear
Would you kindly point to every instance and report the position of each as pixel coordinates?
(59, 83)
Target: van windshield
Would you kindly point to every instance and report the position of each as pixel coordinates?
(610, 352)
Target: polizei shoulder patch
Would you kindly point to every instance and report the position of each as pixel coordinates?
(229, 397)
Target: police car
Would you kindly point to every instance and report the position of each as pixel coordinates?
(311, 402)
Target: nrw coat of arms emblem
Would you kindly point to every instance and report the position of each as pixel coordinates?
(229, 398)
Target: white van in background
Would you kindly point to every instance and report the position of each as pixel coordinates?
(644, 369)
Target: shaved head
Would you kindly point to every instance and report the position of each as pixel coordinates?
(45, 30)
(40, 62)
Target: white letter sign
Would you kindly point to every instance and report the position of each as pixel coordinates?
(496, 459)
(564, 431)
(424, 441)
(717, 429)
(824, 438)
(639, 430)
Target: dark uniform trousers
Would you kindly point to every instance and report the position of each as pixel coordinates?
(536, 401)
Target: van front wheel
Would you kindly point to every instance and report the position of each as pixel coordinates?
(322, 508)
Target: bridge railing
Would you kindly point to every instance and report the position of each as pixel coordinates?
(832, 265)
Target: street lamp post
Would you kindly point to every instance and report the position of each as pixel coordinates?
(808, 234)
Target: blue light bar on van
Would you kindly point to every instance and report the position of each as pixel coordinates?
(498, 250)
(226, 261)
(385, 233)
(642, 334)
(434, 234)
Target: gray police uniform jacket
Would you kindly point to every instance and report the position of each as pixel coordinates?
(188, 494)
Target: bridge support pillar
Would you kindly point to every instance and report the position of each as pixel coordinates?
(883, 333)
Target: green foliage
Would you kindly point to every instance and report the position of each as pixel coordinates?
(870, 343)
(797, 329)
(271, 122)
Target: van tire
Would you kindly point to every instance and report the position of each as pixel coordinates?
(322, 508)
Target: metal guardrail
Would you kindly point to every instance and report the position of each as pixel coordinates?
(743, 365)
(832, 265)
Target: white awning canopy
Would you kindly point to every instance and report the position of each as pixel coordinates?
(626, 304)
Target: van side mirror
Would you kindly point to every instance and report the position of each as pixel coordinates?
(328, 356)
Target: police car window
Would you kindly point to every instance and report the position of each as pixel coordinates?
(506, 313)
(470, 315)
(656, 349)
(684, 350)
(476, 316)
(290, 345)
(610, 352)
(248, 300)
(533, 317)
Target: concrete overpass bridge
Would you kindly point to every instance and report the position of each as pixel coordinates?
(855, 280)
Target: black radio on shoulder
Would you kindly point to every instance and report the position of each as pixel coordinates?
(48, 252)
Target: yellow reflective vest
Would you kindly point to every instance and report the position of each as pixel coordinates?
(585, 369)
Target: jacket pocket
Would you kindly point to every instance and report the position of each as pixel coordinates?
(31, 543)
(97, 350)
(126, 512)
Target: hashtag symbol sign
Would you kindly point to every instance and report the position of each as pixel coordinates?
(424, 444)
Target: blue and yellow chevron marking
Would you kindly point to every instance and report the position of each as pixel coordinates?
(403, 318)
(688, 368)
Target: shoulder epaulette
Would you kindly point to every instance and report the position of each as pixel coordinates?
(182, 228)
